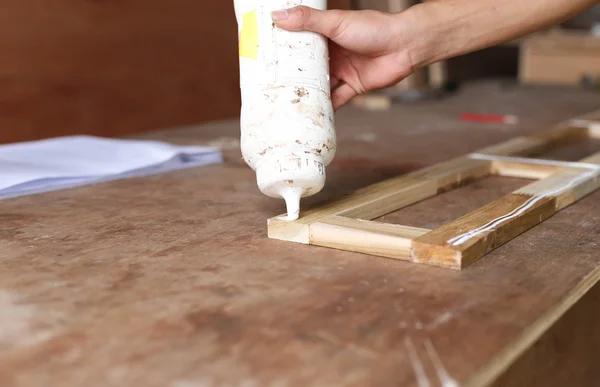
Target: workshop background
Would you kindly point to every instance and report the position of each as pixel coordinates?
(111, 68)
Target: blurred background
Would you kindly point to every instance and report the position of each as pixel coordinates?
(112, 68)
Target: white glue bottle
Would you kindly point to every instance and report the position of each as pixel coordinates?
(287, 119)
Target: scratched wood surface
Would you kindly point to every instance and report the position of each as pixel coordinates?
(171, 281)
(555, 360)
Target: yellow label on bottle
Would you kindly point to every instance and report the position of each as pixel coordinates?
(249, 36)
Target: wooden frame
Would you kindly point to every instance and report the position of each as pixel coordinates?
(348, 224)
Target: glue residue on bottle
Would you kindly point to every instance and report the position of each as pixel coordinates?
(287, 120)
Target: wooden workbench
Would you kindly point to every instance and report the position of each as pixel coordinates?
(170, 280)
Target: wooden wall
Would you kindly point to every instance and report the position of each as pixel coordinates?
(110, 67)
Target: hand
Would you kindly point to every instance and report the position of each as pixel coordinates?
(367, 48)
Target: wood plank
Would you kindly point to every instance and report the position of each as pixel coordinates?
(454, 173)
(373, 195)
(297, 232)
(592, 124)
(463, 241)
(530, 168)
(591, 116)
(517, 146)
(380, 239)
(446, 175)
(523, 170)
(568, 185)
(559, 135)
(559, 58)
(593, 159)
(386, 200)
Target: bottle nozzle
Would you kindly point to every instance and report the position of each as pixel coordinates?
(292, 198)
(290, 178)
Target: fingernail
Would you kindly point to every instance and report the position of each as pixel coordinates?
(280, 15)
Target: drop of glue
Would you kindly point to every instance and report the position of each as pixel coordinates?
(292, 198)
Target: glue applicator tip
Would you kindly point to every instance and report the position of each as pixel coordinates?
(292, 201)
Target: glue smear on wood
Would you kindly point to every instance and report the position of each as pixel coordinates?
(287, 120)
(463, 238)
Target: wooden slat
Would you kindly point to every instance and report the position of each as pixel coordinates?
(391, 200)
(592, 124)
(591, 116)
(282, 230)
(445, 174)
(594, 130)
(568, 185)
(523, 170)
(518, 146)
(456, 172)
(593, 159)
(560, 135)
(381, 239)
(484, 230)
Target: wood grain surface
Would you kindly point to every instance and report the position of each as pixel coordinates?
(566, 355)
(171, 280)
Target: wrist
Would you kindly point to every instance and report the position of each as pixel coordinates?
(428, 34)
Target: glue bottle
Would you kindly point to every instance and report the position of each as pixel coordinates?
(287, 119)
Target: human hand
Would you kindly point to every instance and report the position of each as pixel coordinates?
(371, 50)
(367, 48)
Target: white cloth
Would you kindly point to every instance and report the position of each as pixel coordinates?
(65, 162)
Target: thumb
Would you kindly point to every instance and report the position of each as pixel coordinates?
(302, 18)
